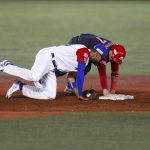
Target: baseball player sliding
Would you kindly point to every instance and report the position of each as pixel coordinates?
(49, 62)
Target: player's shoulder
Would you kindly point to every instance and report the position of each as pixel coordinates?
(83, 54)
(71, 47)
(77, 46)
(83, 49)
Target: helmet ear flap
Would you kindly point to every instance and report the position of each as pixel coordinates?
(121, 58)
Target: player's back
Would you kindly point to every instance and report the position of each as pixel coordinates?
(65, 56)
(90, 40)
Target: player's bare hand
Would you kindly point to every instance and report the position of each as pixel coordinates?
(105, 92)
(112, 91)
(82, 98)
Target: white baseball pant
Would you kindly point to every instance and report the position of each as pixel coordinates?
(42, 66)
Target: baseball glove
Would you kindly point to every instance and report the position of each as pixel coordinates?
(89, 94)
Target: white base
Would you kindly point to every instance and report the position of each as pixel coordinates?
(116, 97)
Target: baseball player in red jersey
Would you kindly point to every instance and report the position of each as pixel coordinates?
(48, 62)
(116, 53)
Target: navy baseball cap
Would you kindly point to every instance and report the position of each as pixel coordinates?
(102, 50)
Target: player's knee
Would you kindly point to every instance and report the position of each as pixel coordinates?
(50, 95)
(35, 77)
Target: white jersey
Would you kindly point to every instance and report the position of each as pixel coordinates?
(65, 56)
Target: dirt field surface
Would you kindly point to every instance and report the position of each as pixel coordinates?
(20, 106)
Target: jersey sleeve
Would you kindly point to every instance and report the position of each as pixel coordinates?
(102, 76)
(80, 78)
(82, 55)
(114, 75)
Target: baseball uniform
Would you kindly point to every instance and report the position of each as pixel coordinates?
(47, 62)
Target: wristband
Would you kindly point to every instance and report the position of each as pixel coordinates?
(72, 85)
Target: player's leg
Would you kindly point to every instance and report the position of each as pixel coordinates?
(41, 66)
(48, 90)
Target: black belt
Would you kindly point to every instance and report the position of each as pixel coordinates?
(57, 72)
(53, 61)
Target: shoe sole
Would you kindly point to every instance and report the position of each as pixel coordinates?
(9, 92)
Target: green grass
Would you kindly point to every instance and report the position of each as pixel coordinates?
(28, 26)
(78, 131)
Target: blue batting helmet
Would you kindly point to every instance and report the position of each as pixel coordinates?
(102, 50)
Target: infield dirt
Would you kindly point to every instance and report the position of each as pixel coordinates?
(20, 106)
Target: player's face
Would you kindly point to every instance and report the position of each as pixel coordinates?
(95, 57)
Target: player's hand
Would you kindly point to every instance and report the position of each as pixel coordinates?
(112, 91)
(82, 98)
(105, 92)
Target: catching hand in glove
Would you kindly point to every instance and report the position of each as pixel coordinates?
(89, 94)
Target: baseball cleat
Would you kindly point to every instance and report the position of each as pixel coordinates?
(15, 87)
(68, 90)
(3, 64)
